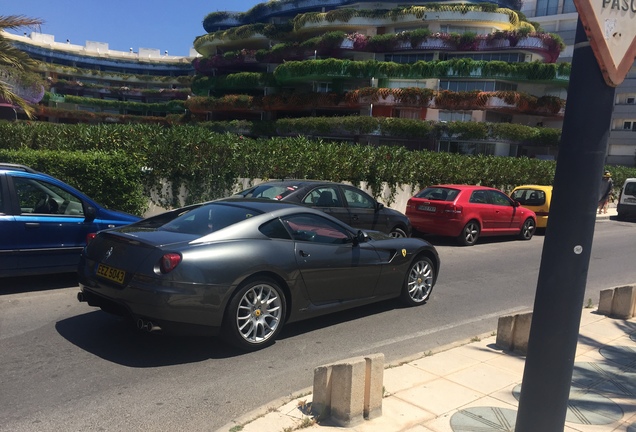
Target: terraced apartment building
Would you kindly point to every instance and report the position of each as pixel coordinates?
(91, 83)
(475, 71)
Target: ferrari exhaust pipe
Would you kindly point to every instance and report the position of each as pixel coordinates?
(150, 327)
(147, 326)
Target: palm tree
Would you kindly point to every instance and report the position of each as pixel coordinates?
(12, 59)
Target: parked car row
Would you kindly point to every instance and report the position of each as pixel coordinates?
(243, 266)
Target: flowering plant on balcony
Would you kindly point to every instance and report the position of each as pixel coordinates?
(416, 37)
(449, 100)
(200, 104)
(372, 93)
(383, 42)
(552, 41)
(462, 42)
(330, 42)
(413, 96)
(359, 40)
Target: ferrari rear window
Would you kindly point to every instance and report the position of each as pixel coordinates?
(208, 219)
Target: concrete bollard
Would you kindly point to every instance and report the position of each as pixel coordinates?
(619, 302)
(374, 384)
(605, 302)
(513, 332)
(349, 391)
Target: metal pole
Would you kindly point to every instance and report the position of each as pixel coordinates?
(567, 247)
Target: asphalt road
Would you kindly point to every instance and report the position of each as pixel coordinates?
(66, 366)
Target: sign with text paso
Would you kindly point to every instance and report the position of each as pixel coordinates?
(611, 27)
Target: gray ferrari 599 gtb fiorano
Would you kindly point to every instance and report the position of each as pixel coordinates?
(242, 268)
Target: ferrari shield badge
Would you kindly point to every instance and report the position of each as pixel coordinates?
(404, 253)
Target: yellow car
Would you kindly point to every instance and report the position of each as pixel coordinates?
(535, 197)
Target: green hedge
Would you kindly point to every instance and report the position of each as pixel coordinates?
(112, 179)
(106, 161)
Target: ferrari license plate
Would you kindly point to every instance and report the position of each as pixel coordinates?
(111, 273)
(427, 208)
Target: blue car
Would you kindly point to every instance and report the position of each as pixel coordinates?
(44, 223)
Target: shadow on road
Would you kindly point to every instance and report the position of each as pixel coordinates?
(117, 340)
(452, 241)
(14, 285)
(301, 327)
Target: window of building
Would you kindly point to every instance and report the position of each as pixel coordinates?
(629, 125)
(547, 7)
(464, 29)
(467, 148)
(449, 116)
(476, 85)
(507, 57)
(568, 6)
(323, 87)
(406, 83)
(413, 114)
(631, 100)
(409, 58)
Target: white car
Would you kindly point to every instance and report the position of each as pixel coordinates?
(627, 200)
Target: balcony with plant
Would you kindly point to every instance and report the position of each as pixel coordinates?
(294, 71)
(263, 12)
(501, 18)
(409, 97)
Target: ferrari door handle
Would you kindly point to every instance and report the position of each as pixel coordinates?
(304, 254)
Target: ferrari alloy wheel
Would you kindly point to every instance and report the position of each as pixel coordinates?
(527, 230)
(419, 281)
(255, 315)
(469, 234)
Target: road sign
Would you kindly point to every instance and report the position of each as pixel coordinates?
(610, 26)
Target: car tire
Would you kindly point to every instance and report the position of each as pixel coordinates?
(469, 234)
(255, 314)
(527, 229)
(398, 232)
(419, 281)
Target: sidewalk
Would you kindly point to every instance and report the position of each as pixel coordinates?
(611, 212)
(474, 386)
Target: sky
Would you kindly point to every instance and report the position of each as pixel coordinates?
(167, 25)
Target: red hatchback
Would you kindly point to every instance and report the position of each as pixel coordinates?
(467, 212)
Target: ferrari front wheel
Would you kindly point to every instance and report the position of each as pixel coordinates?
(419, 281)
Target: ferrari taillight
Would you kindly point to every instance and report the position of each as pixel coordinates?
(90, 236)
(169, 262)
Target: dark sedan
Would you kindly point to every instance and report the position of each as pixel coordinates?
(346, 203)
(242, 268)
